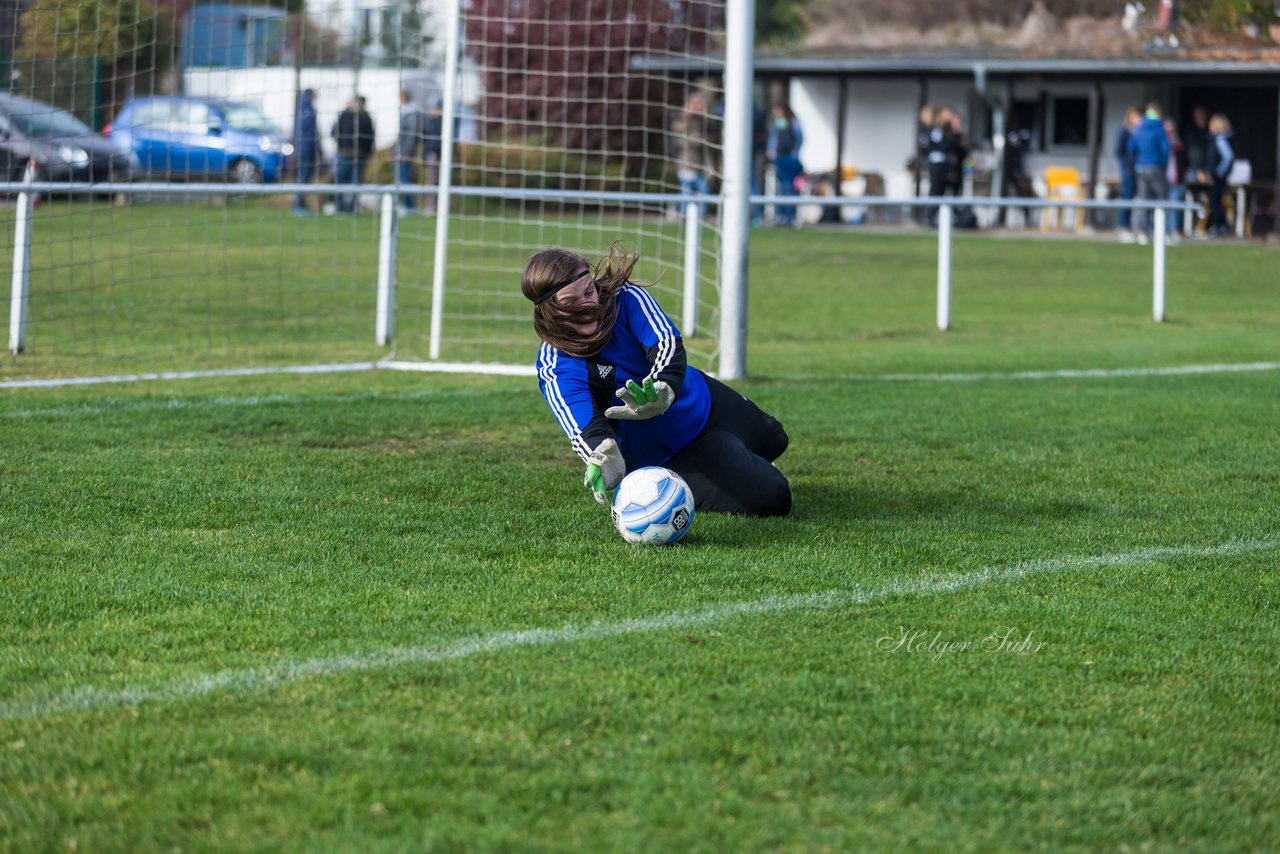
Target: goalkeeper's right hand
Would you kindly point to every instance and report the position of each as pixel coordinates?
(605, 468)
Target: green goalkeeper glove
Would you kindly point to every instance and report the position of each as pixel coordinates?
(641, 402)
(605, 468)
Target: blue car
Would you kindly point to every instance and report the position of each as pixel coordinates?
(200, 139)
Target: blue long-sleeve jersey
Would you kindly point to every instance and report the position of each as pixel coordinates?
(645, 344)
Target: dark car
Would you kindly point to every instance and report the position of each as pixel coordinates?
(62, 146)
(202, 139)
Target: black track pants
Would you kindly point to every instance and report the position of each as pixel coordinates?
(729, 466)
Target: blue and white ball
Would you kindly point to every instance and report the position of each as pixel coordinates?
(653, 505)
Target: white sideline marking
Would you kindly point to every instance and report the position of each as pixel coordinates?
(516, 370)
(90, 698)
(460, 367)
(117, 404)
(1067, 374)
(261, 399)
(342, 367)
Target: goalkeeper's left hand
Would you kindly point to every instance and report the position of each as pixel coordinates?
(641, 402)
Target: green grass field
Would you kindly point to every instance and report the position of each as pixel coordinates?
(378, 611)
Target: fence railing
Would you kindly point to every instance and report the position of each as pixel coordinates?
(384, 322)
(947, 206)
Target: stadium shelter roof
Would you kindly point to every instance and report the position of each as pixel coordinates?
(1250, 71)
(970, 62)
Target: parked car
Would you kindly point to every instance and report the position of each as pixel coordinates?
(63, 147)
(203, 139)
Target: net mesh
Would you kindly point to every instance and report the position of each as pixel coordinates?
(561, 105)
(548, 97)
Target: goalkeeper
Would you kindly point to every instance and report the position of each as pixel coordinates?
(612, 368)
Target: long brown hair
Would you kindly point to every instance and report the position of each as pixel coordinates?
(554, 322)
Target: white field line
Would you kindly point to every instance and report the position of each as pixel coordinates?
(1066, 374)
(117, 404)
(337, 368)
(102, 406)
(88, 698)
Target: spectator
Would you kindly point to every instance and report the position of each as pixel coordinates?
(938, 152)
(306, 146)
(346, 166)
(354, 134)
(1177, 176)
(924, 125)
(409, 145)
(433, 130)
(364, 139)
(694, 155)
(783, 150)
(1128, 179)
(1149, 150)
(1017, 182)
(957, 153)
(759, 143)
(1196, 140)
(1218, 162)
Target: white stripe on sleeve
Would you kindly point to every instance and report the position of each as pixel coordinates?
(660, 325)
(548, 356)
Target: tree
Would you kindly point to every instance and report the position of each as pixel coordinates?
(1228, 15)
(404, 36)
(114, 32)
(1225, 15)
(126, 41)
(563, 67)
(780, 21)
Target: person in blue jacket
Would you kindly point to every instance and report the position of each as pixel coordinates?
(613, 371)
(306, 146)
(1128, 177)
(783, 150)
(1149, 149)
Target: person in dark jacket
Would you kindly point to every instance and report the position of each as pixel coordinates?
(306, 146)
(941, 148)
(1149, 149)
(364, 137)
(354, 134)
(1219, 159)
(1128, 179)
(1196, 139)
(957, 154)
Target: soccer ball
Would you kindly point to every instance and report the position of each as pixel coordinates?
(653, 505)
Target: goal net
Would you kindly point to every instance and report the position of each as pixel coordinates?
(185, 245)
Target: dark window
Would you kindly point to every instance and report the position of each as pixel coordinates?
(1070, 121)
